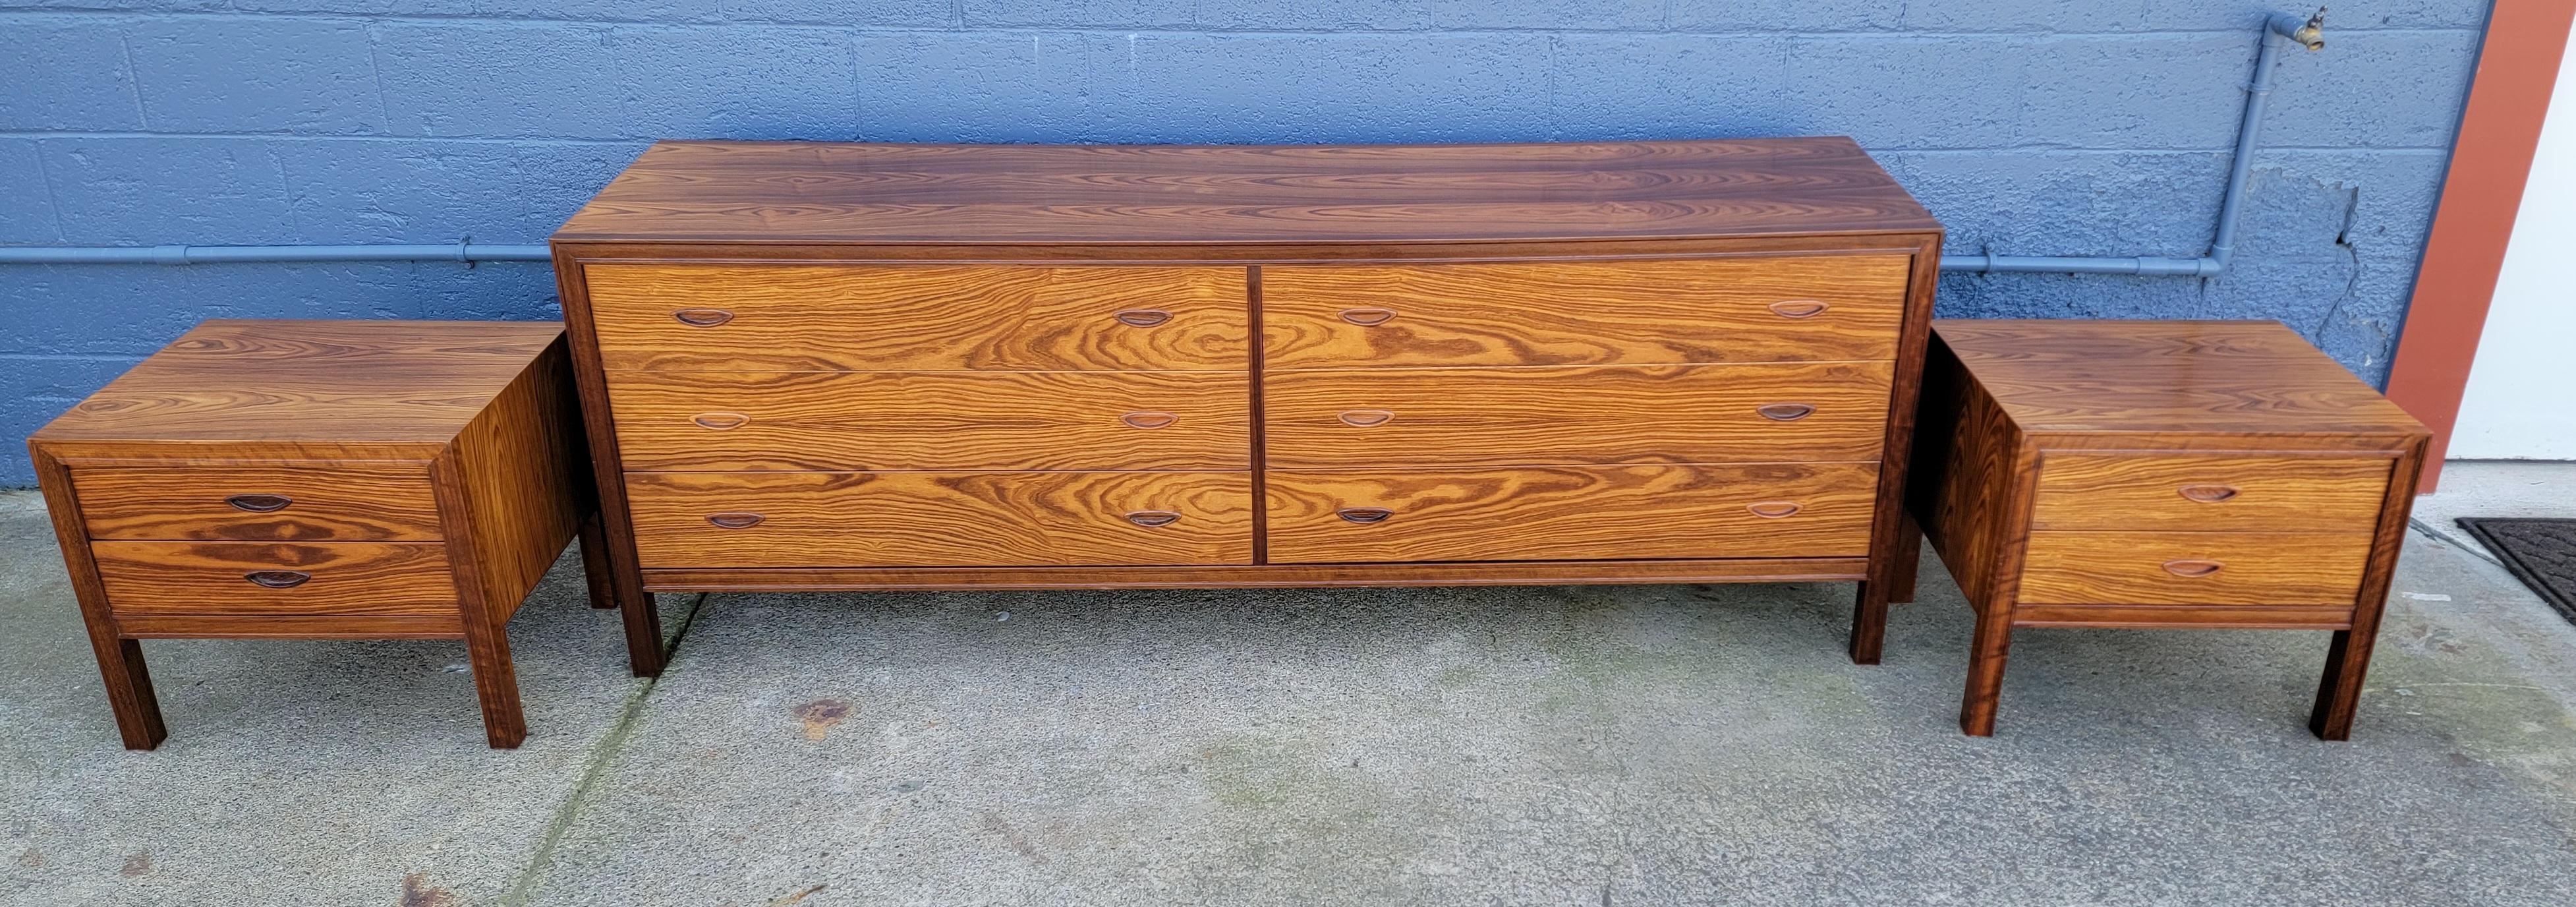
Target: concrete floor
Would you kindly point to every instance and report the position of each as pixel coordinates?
(1632, 745)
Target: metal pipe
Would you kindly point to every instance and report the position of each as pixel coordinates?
(2240, 171)
(2309, 34)
(463, 250)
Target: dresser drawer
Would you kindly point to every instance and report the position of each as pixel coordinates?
(1771, 309)
(1571, 513)
(272, 578)
(1576, 415)
(932, 420)
(951, 519)
(351, 502)
(2175, 491)
(2194, 568)
(919, 317)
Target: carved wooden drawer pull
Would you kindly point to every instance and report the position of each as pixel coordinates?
(1773, 510)
(720, 421)
(2192, 568)
(1785, 412)
(735, 519)
(2208, 494)
(1367, 317)
(702, 318)
(1364, 515)
(1799, 308)
(259, 503)
(1144, 318)
(278, 579)
(1149, 419)
(1153, 517)
(1366, 417)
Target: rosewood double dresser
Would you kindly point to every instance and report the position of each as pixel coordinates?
(874, 366)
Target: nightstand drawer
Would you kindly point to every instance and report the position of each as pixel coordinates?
(919, 317)
(2192, 492)
(345, 578)
(1753, 309)
(2194, 568)
(340, 502)
(932, 420)
(1571, 513)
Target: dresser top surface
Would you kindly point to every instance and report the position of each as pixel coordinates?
(811, 192)
(231, 380)
(2167, 377)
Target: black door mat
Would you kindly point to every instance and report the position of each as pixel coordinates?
(2541, 553)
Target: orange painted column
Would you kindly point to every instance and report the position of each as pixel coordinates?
(2490, 161)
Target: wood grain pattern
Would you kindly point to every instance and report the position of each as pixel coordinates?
(2178, 617)
(375, 383)
(2348, 655)
(932, 420)
(1574, 415)
(638, 611)
(339, 502)
(1790, 308)
(2178, 377)
(738, 205)
(928, 519)
(2260, 568)
(1574, 513)
(208, 577)
(798, 193)
(918, 317)
(345, 480)
(121, 667)
(443, 625)
(2178, 474)
(519, 468)
(2156, 492)
(1473, 573)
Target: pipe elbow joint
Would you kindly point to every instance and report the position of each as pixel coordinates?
(2310, 33)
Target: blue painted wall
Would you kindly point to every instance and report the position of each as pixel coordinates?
(2034, 127)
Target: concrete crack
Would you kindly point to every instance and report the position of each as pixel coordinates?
(593, 771)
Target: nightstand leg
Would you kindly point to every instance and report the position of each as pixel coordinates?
(2339, 691)
(1986, 670)
(120, 660)
(594, 562)
(1869, 620)
(1909, 558)
(496, 682)
(129, 691)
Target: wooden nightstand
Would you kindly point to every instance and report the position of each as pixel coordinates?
(2161, 474)
(326, 480)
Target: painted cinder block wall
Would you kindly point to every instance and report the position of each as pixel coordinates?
(2078, 127)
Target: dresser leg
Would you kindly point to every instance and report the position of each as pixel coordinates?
(1986, 670)
(594, 562)
(1908, 559)
(496, 681)
(2339, 691)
